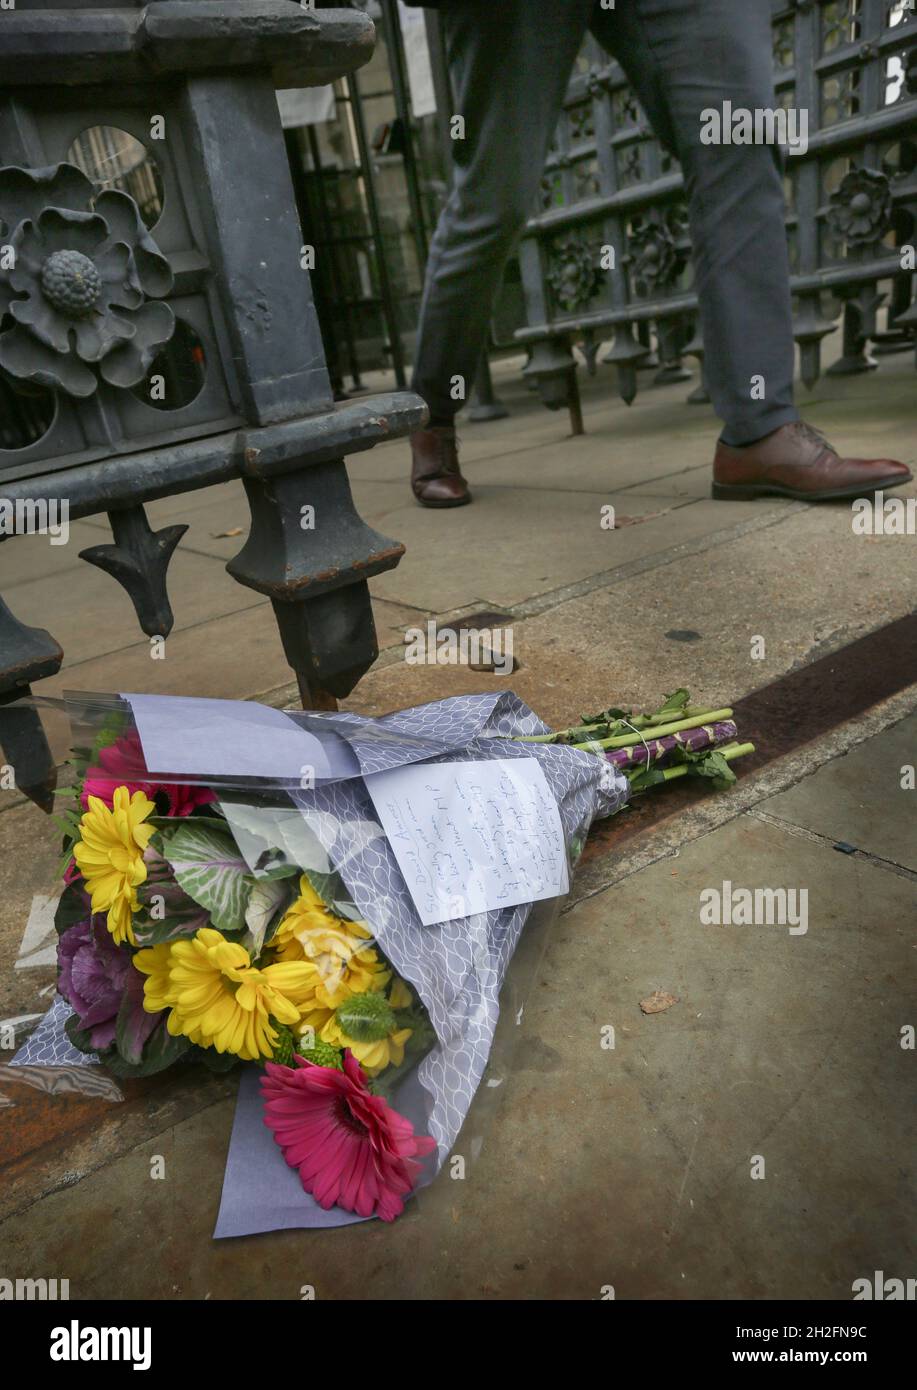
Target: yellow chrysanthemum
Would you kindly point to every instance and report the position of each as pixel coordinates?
(154, 962)
(219, 999)
(372, 1056)
(366, 1023)
(399, 996)
(342, 962)
(109, 855)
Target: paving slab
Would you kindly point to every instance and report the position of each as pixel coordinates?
(25, 558)
(93, 616)
(866, 798)
(509, 549)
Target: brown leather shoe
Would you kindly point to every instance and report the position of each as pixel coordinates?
(797, 461)
(436, 478)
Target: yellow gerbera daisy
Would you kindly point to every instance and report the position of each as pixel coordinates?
(342, 961)
(109, 855)
(154, 962)
(219, 999)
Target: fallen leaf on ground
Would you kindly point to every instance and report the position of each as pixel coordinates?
(218, 535)
(657, 1002)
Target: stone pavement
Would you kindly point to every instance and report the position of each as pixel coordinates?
(628, 1166)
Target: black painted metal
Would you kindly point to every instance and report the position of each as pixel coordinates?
(852, 204)
(230, 380)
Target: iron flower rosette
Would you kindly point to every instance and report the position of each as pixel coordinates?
(860, 208)
(655, 258)
(81, 295)
(573, 273)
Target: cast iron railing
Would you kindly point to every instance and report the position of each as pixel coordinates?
(157, 328)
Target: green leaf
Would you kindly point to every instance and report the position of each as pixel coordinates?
(71, 908)
(153, 932)
(645, 777)
(607, 716)
(279, 871)
(161, 1051)
(67, 821)
(266, 899)
(210, 869)
(673, 707)
(327, 886)
(80, 1037)
(215, 1061)
(711, 763)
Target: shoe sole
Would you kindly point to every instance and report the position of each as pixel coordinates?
(736, 492)
(451, 502)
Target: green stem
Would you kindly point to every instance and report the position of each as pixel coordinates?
(715, 716)
(644, 722)
(730, 751)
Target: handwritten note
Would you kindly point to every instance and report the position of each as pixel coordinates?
(472, 836)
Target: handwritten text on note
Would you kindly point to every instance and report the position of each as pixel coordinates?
(472, 836)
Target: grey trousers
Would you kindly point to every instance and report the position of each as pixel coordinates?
(510, 62)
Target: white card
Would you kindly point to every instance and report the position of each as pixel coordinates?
(472, 836)
(234, 738)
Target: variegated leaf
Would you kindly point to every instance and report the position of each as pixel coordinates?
(211, 870)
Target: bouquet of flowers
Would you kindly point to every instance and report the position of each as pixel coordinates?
(249, 918)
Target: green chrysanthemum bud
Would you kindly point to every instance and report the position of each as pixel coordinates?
(283, 1047)
(323, 1055)
(365, 1018)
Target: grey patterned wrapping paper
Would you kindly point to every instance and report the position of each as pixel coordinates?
(456, 967)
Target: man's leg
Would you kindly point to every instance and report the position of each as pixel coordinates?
(685, 57)
(510, 63)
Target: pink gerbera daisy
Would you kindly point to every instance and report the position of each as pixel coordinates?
(352, 1150)
(122, 764)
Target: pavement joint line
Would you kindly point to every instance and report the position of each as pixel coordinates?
(665, 840)
(802, 832)
(611, 489)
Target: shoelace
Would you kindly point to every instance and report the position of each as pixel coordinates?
(813, 435)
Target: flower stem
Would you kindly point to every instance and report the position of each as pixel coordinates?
(660, 731)
(730, 751)
(694, 714)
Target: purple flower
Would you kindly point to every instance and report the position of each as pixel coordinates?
(94, 975)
